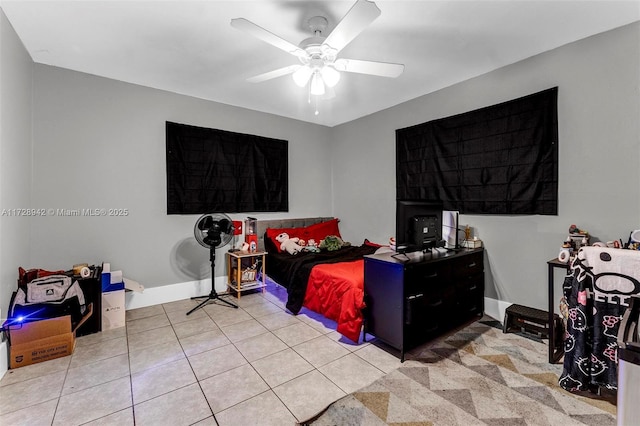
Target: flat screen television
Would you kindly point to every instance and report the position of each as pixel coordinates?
(418, 225)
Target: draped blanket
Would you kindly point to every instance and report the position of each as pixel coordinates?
(597, 289)
(337, 283)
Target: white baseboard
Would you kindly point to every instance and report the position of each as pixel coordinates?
(172, 292)
(495, 308)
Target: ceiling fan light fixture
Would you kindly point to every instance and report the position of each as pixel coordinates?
(317, 85)
(319, 67)
(301, 76)
(330, 76)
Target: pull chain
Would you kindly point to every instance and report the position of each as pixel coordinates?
(316, 112)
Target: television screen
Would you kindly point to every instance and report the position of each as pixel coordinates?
(418, 225)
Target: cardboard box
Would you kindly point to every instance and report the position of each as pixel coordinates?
(42, 340)
(112, 281)
(132, 285)
(113, 312)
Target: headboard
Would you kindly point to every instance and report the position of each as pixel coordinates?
(262, 225)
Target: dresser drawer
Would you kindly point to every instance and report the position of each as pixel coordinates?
(428, 274)
(466, 266)
(469, 283)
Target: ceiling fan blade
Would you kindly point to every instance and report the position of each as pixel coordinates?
(353, 23)
(381, 69)
(273, 74)
(266, 36)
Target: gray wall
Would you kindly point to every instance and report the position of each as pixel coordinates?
(599, 151)
(16, 74)
(100, 144)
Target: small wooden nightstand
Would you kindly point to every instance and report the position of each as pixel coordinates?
(242, 271)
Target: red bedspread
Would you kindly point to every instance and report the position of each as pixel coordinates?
(337, 291)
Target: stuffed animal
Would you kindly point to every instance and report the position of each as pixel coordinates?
(290, 245)
(312, 246)
(332, 243)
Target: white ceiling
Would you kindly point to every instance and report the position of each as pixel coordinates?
(189, 47)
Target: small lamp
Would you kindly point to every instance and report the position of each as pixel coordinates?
(302, 75)
(330, 76)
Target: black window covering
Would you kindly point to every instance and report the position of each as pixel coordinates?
(210, 170)
(502, 159)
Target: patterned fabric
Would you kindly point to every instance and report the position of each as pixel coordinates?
(597, 291)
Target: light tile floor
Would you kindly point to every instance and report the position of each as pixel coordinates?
(256, 365)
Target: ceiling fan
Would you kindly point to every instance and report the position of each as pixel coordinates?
(319, 63)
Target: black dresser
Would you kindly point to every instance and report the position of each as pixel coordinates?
(411, 299)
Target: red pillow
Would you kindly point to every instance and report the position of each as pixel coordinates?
(320, 230)
(316, 231)
(372, 244)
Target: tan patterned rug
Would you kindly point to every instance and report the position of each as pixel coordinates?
(476, 376)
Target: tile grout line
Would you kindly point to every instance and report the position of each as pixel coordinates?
(198, 381)
(126, 334)
(271, 389)
(294, 350)
(66, 371)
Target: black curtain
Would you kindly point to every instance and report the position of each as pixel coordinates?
(501, 159)
(211, 170)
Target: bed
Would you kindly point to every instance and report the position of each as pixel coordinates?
(330, 283)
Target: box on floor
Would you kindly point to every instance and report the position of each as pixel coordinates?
(42, 340)
(113, 311)
(113, 300)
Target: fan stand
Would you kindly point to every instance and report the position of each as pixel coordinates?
(213, 295)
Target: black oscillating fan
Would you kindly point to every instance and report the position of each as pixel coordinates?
(213, 230)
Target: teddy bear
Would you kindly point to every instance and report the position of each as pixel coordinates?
(290, 245)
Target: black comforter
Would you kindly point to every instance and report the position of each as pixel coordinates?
(292, 271)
